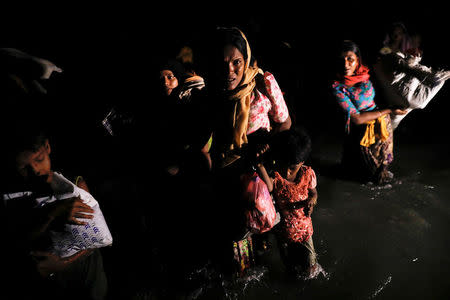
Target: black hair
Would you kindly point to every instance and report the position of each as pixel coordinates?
(397, 24)
(345, 46)
(291, 146)
(175, 66)
(222, 37)
(24, 135)
(230, 36)
(348, 45)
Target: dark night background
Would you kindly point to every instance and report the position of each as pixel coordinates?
(109, 51)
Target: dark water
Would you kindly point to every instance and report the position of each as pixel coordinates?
(373, 242)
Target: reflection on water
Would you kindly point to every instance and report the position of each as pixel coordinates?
(381, 287)
(373, 242)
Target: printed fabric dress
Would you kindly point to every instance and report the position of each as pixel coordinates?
(267, 106)
(368, 148)
(295, 226)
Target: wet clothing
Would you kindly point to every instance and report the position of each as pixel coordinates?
(374, 159)
(368, 148)
(294, 226)
(294, 233)
(297, 257)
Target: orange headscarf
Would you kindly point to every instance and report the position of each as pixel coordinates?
(361, 74)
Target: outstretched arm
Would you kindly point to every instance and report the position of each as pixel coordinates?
(16, 61)
(364, 117)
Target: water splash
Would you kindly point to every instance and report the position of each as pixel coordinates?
(381, 287)
(235, 287)
(381, 187)
(314, 274)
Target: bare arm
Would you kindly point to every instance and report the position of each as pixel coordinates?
(286, 125)
(69, 211)
(264, 176)
(368, 116)
(26, 64)
(48, 263)
(312, 201)
(207, 156)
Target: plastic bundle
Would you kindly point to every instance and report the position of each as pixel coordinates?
(417, 84)
(261, 215)
(73, 238)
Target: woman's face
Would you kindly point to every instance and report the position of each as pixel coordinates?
(350, 60)
(233, 70)
(397, 34)
(168, 81)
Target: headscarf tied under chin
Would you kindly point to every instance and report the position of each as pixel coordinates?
(242, 97)
(361, 75)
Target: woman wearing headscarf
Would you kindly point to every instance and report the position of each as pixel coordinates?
(250, 101)
(248, 109)
(368, 144)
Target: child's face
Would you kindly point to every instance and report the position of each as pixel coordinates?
(289, 172)
(35, 165)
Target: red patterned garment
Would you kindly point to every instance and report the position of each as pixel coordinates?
(263, 108)
(294, 225)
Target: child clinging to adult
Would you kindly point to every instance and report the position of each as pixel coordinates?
(293, 186)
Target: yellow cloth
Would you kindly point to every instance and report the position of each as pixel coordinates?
(242, 99)
(370, 135)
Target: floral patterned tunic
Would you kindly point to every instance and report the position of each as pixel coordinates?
(295, 225)
(354, 99)
(263, 108)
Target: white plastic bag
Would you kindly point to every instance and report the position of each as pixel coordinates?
(417, 86)
(95, 234)
(73, 238)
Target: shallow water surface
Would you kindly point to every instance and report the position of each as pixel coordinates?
(373, 242)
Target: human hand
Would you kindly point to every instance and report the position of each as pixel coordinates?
(47, 67)
(71, 209)
(48, 263)
(260, 150)
(309, 206)
(399, 111)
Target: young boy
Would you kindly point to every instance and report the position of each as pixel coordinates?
(32, 226)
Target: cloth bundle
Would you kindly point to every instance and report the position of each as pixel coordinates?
(417, 84)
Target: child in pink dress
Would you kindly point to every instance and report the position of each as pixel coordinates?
(293, 186)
